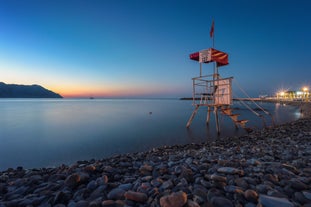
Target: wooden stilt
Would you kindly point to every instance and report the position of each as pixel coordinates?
(192, 115)
(216, 119)
(208, 115)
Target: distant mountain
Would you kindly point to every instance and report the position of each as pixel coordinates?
(25, 91)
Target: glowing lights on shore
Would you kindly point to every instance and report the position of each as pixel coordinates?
(305, 89)
(300, 95)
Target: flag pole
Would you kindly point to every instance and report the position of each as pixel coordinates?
(212, 33)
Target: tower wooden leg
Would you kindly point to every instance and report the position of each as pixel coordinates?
(208, 115)
(192, 116)
(216, 119)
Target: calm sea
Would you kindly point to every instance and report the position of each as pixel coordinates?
(48, 132)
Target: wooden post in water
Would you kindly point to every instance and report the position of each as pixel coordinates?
(216, 119)
(208, 115)
(192, 115)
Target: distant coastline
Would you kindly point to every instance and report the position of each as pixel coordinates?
(26, 91)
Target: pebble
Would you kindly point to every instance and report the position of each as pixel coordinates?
(269, 201)
(270, 167)
(251, 195)
(230, 170)
(221, 202)
(136, 196)
(116, 194)
(177, 199)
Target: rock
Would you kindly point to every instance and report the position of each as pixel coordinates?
(91, 185)
(218, 178)
(233, 189)
(108, 203)
(62, 197)
(241, 183)
(272, 178)
(72, 180)
(174, 200)
(307, 194)
(221, 202)
(251, 195)
(301, 198)
(167, 184)
(126, 186)
(116, 194)
(296, 184)
(192, 204)
(136, 196)
(82, 203)
(213, 192)
(253, 162)
(187, 174)
(290, 168)
(90, 168)
(230, 170)
(84, 177)
(146, 169)
(269, 201)
(111, 203)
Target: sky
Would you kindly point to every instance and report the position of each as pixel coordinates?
(140, 48)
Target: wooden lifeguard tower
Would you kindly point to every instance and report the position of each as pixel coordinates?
(211, 90)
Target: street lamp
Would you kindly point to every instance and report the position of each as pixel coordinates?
(306, 92)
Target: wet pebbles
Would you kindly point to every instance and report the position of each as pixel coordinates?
(266, 168)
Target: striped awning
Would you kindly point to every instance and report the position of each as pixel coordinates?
(211, 55)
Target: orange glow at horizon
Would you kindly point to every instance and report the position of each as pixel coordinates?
(111, 91)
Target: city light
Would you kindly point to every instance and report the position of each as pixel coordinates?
(288, 95)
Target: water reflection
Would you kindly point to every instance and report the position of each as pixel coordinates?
(40, 133)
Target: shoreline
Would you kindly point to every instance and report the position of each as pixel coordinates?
(269, 167)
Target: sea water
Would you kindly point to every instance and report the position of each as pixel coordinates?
(38, 133)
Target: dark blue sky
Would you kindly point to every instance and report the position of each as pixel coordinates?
(140, 48)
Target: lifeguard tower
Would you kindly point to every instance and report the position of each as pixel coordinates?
(211, 90)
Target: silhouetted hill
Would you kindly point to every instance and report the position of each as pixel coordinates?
(25, 91)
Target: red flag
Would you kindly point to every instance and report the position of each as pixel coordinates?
(211, 33)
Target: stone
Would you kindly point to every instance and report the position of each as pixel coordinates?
(301, 198)
(307, 194)
(72, 180)
(253, 162)
(91, 185)
(213, 192)
(62, 197)
(233, 189)
(269, 201)
(90, 168)
(126, 186)
(296, 184)
(167, 184)
(218, 178)
(272, 178)
(221, 202)
(116, 194)
(230, 170)
(251, 195)
(82, 203)
(136, 196)
(191, 203)
(177, 199)
(241, 183)
(146, 169)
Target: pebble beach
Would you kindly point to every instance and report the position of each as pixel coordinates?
(266, 168)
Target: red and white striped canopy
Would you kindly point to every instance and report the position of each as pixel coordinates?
(211, 55)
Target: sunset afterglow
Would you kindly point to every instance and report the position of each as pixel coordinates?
(141, 48)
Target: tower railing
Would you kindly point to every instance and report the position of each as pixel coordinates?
(208, 91)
